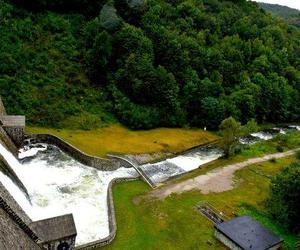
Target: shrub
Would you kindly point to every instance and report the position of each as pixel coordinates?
(85, 121)
(284, 201)
(279, 148)
(298, 155)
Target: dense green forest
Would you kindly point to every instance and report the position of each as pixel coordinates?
(147, 63)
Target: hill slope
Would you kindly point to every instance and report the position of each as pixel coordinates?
(289, 14)
(153, 63)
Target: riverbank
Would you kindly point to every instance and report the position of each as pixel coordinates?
(174, 223)
(147, 222)
(120, 140)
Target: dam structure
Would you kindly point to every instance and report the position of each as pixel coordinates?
(18, 231)
(52, 195)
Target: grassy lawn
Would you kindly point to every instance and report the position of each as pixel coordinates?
(174, 224)
(118, 139)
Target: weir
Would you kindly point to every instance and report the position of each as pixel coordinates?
(140, 171)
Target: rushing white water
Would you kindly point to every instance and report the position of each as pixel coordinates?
(263, 135)
(57, 184)
(25, 152)
(159, 172)
(295, 127)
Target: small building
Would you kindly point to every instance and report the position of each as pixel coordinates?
(14, 126)
(57, 233)
(245, 233)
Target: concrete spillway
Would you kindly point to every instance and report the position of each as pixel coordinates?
(57, 184)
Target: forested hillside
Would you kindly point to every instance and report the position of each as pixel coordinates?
(290, 15)
(150, 63)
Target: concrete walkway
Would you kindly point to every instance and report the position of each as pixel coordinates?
(217, 180)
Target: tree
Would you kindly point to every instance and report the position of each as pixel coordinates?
(250, 127)
(284, 201)
(97, 58)
(231, 130)
(212, 112)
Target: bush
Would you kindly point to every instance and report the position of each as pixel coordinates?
(298, 155)
(85, 121)
(284, 201)
(279, 148)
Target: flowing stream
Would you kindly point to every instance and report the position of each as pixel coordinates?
(163, 170)
(57, 184)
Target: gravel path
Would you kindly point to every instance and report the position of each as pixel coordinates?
(217, 180)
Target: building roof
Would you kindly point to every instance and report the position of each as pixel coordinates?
(248, 234)
(12, 120)
(54, 228)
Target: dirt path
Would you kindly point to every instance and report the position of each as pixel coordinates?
(217, 180)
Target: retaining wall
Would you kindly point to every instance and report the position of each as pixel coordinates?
(92, 161)
(14, 222)
(8, 143)
(2, 108)
(111, 218)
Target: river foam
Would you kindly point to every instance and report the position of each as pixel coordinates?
(57, 184)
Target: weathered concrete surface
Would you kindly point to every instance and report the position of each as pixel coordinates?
(7, 142)
(14, 126)
(217, 180)
(12, 236)
(2, 108)
(56, 232)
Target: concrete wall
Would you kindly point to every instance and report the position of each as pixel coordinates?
(7, 142)
(2, 108)
(111, 218)
(278, 246)
(16, 134)
(70, 241)
(12, 236)
(14, 230)
(227, 242)
(92, 161)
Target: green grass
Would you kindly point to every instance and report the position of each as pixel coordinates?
(118, 139)
(169, 224)
(174, 223)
